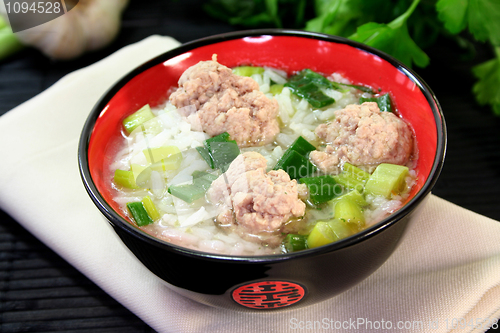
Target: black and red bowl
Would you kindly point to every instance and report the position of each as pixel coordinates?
(263, 283)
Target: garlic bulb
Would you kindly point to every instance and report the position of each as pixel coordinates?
(90, 25)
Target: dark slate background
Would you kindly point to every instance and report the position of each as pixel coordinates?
(40, 292)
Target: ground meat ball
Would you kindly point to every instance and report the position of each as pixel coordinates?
(227, 103)
(364, 136)
(253, 203)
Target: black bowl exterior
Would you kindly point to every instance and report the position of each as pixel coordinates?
(215, 281)
(274, 282)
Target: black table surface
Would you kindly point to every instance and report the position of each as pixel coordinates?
(40, 292)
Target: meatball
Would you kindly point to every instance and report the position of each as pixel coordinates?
(226, 102)
(254, 203)
(364, 136)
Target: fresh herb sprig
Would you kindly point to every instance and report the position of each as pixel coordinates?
(402, 28)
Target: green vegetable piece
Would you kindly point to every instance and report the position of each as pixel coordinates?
(139, 213)
(348, 211)
(138, 118)
(247, 70)
(294, 160)
(326, 232)
(342, 229)
(321, 188)
(161, 159)
(387, 180)
(353, 195)
(203, 179)
(223, 153)
(320, 235)
(191, 192)
(355, 172)
(203, 151)
(296, 165)
(125, 179)
(366, 89)
(187, 192)
(276, 89)
(384, 102)
(223, 137)
(351, 183)
(308, 85)
(150, 208)
(142, 174)
(294, 242)
(352, 177)
(170, 156)
(302, 146)
(219, 151)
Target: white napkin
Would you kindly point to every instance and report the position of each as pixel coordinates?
(446, 271)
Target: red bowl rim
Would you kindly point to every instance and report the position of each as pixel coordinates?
(118, 222)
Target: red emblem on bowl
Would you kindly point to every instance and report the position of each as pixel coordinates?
(268, 294)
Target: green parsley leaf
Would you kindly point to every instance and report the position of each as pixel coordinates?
(481, 16)
(393, 38)
(487, 88)
(453, 13)
(484, 20)
(272, 11)
(260, 13)
(327, 13)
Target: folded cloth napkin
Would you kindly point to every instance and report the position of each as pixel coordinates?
(445, 272)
